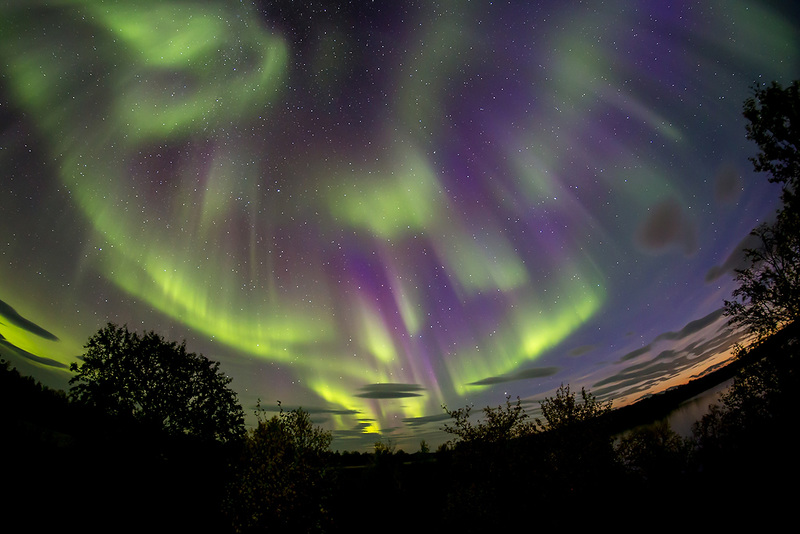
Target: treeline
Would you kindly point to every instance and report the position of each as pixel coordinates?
(576, 468)
(66, 463)
(738, 465)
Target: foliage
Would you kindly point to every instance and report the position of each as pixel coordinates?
(768, 293)
(22, 396)
(578, 448)
(283, 483)
(486, 463)
(760, 397)
(747, 440)
(157, 383)
(504, 423)
(499, 424)
(773, 115)
(508, 459)
(655, 453)
(383, 449)
(562, 411)
(37, 416)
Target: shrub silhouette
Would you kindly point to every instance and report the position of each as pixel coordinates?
(283, 481)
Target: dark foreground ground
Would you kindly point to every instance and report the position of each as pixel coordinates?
(64, 468)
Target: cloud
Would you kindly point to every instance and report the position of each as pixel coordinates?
(426, 420)
(633, 354)
(727, 185)
(735, 260)
(583, 349)
(667, 226)
(525, 374)
(670, 363)
(356, 438)
(316, 413)
(13, 349)
(14, 318)
(390, 391)
(363, 425)
(693, 327)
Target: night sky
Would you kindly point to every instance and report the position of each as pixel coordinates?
(371, 209)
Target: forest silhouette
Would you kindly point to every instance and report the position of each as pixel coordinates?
(151, 437)
(63, 459)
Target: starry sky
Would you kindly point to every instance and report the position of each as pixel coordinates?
(370, 209)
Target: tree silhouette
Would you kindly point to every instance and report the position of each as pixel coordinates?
(654, 453)
(499, 424)
(487, 465)
(577, 450)
(773, 115)
(158, 384)
(747, 440)
(506, 460)
(768, 295)
(562, 411)
(283, 481)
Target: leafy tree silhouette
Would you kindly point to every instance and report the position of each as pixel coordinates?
(773, 115)
(498, 425)
(148, 380)
(577, 451)
(654, 455)
(486, 466)
(768, 295)
(748, 440)
(283, 481)
(562, 411)
(507, 460)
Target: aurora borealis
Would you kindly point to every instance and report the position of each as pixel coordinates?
(371, 209)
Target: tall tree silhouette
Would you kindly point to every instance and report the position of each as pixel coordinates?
(768, 296)
(158, 383)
